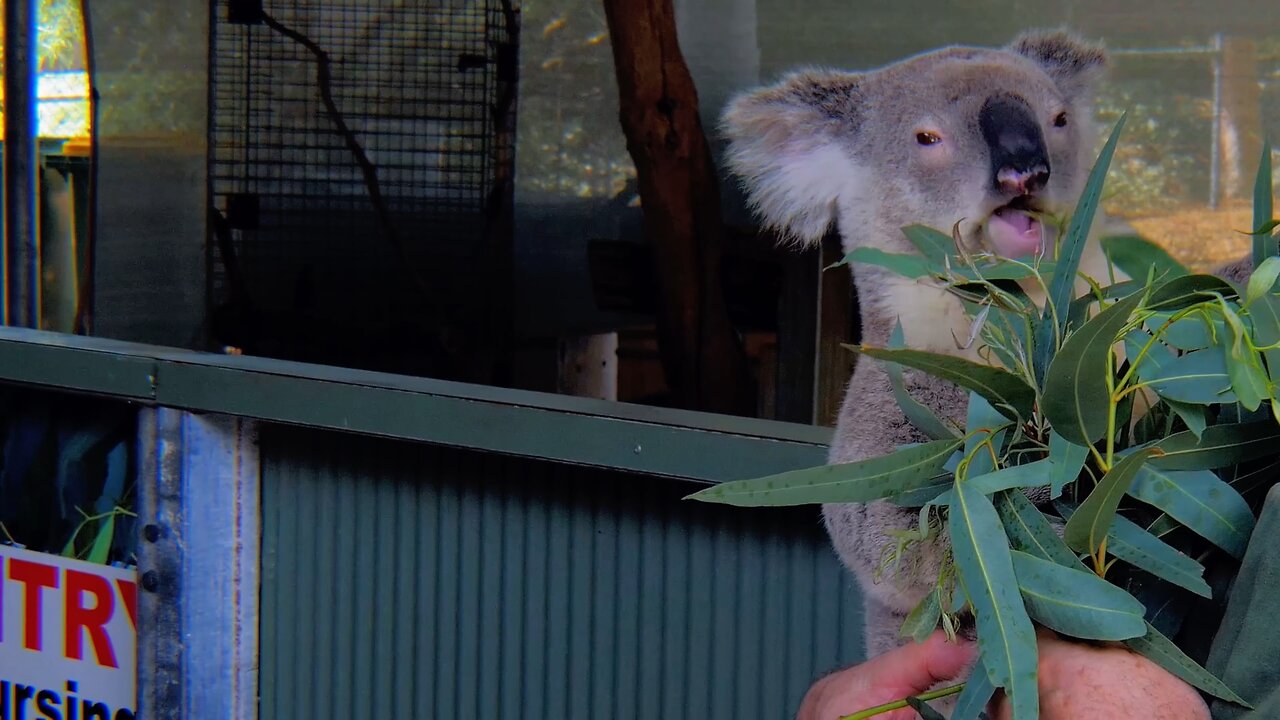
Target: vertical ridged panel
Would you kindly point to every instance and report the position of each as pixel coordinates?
(405, 580)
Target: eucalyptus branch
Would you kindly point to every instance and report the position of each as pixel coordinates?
(900, 704)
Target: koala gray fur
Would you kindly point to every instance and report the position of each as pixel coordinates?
(854, 149)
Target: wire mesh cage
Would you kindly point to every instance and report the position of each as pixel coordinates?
(361, 157)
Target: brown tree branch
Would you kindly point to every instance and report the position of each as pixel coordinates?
(704, 361)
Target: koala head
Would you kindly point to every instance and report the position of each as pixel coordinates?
(988, 138)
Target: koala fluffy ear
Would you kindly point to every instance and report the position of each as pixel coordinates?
(1074, 64)
(784, 143)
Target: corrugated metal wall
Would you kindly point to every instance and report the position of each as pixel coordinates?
(412, 581)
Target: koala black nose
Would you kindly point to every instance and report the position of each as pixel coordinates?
(1019, 161)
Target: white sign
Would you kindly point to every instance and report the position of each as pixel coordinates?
(67, 638)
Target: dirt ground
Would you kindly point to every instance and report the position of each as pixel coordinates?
(1197, 236)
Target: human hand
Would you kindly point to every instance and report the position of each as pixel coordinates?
(1107, 682)
(909, 670)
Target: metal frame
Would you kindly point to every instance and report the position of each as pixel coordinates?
(654, 441)
(198, 566)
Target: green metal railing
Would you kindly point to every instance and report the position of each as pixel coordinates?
(336, 543)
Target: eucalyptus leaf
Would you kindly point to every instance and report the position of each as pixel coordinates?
(1088, 526)
(912, 266)
(1190, 332)
(1129, 542)
(1198, 377)
(1076, 398)
(1263, 280)
(930, 494)
(1032, 474)
(1134, 255)
(1183, 292)
(1266, 332)
(1076, 602)
(1006, 638)
(878, 477)
(1070, 252)
(1218, 446)
(973, 699)
(1194, 416)
(933, 244)
(1066, 460)
(923, 618)
(101, 548)
(1264, 244)
(920, 416)
(983, 424)
(1029, 530)
(1200, 501)
(1248, 379)
(1004, 390)
(1161, 650)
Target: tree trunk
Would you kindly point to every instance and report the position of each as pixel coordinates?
(1241, 126)
(703, 359)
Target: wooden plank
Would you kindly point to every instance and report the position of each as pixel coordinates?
(836, 324)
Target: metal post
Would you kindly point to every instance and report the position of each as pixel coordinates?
(21, 257)
(198, 557)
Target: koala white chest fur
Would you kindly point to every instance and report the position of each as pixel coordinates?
(989, 139)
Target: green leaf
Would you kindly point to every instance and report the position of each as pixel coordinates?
(1029, 531)
(862, 481)
(1027, 475)
(1183, 292)
(912, 266)
(1198, 377)
(1264, 245)
(1066, 460)
(1248, 379)
(982, 423)
(1200, 501)
(1263, 280)
(1193, 415)
(974, 697)
(1076, 602)
(1190, 332)
(1266, 332)
(1070, 252)
(1129, 542)
(1218, 446)
(923, 618)
(929, 494)
(1135, 255)
(935, 245)
(1076, 399)
(1160, 650)
(920, 416)
(1004, 390)
(101, 548)
(1006, 638)
(1088, 526)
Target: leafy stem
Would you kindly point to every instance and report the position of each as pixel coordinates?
(900, 704)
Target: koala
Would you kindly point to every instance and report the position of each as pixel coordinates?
(983, 140)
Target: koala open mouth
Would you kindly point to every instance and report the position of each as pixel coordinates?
(1014, 229)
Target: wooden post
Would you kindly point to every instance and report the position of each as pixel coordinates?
(705, 364)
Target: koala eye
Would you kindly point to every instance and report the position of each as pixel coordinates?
(1060, 120)
(928, 138)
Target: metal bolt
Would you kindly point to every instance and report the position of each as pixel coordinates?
(151, 532)
(636, 450)
(151, 581)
